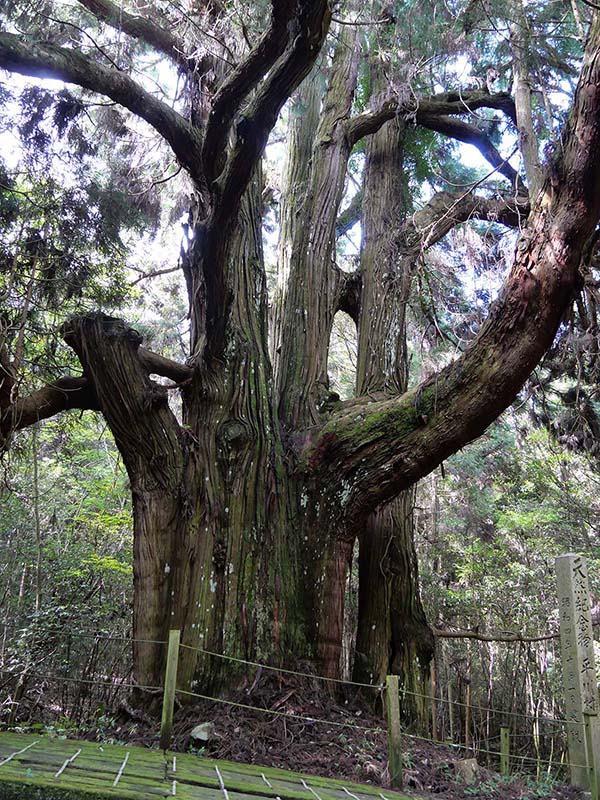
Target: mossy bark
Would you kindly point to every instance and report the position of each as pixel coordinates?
(214, 552)
(247, 600)
(392, 631)
(264, 479)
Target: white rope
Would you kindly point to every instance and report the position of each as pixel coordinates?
(306, 786)
(222, 782)
(18, 753)
(66, 764)
(120, 772)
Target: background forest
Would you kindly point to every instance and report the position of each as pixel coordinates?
(338, 235)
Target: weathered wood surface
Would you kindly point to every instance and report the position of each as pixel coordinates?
(578, 666)
(166, 724)
(29, 766)
(392, 707)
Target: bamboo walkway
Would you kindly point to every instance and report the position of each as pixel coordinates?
(44, 768)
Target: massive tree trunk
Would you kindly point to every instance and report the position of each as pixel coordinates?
(247, 601)
(245, 512)
(213, 550)
(216, 553)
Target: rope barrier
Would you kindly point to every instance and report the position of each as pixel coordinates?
(81, 634)
(482, 750)
(552, 720)
(67, 679)
(377, 686)
(297, 717)
(363, 728)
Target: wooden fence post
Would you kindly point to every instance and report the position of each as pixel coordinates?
(434, 716)
(392, 706)
(590, 720)
(166, 723)
(468, 713)
(504, 751)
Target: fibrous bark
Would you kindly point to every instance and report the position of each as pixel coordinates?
(378, 448)
(245, 514)
(392, 631)
(309, 294)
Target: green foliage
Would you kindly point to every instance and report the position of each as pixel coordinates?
(85, 521)
(490, 529)
(539, 788)
(515, 502)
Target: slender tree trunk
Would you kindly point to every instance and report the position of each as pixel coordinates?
(308, 302)
(37, 520)
(528, 143)
(413, 644)
(392, 633)
(303, 121)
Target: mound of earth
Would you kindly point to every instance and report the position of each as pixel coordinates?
(337, 736)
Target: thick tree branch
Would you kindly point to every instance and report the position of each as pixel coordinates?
(135, 408)
(69, 393)
(500, 636)
(210, 281)
(307, 247)
(242, 80)
(61, 395)
(470, 134)
(442, 104)
(470, 101)
(445, 210)
(160, 39)
(159, 365)
(152, 445)
(309, 27)
(50, 61)
(209, 287)
(371, 450)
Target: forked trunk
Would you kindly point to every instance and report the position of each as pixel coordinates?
(216, 547)
(243, 534)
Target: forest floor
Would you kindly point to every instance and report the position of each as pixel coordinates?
(341, 738)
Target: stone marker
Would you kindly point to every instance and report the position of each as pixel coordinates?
(204, 732)
(579, 671)
(468, 769)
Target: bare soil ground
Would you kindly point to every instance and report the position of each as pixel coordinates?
(318, 734)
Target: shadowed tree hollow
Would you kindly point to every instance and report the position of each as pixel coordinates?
(248, 502)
